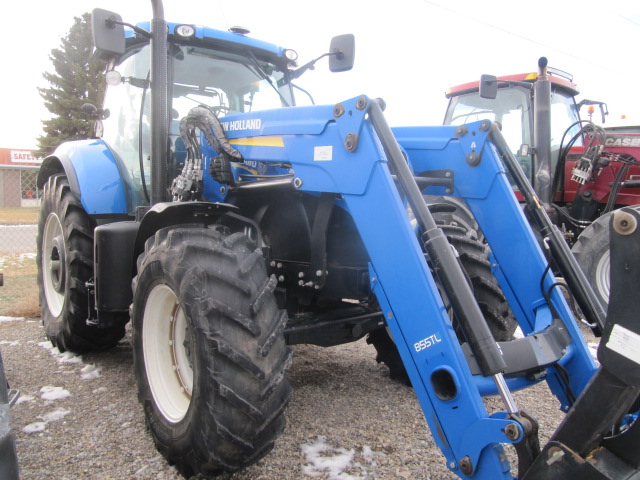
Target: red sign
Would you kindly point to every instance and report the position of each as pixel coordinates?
(18, 157)
(24, 156)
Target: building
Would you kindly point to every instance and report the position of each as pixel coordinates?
(18, 172)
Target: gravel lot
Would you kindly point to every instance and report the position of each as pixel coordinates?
(79, 417)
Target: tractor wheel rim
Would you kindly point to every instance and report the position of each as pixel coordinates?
(53, 264)
(167, 353)
(602, 275)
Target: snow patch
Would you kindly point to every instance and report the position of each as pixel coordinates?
(55, 415)
(593, 349)
(54, 393)
(323, 460)
(100, 390)
(35, 427)
(90, 372)
(368, 454)
(11, 319)
(49, 346)
(47, 418)
(11, 344)
(24, 398)
(66, 357)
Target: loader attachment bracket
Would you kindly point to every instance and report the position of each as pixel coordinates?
(559, 462)
(530, 355)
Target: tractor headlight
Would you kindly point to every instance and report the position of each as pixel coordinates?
(291, 54)
(185, 31)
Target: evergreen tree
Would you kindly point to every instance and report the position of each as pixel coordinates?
(77, 80)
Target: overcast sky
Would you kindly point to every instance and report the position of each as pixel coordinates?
(407, 51)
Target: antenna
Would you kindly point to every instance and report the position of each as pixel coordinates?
(223, 15)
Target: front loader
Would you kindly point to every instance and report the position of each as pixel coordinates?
(226, 229)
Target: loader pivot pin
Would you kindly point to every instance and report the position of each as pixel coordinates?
(624, 223)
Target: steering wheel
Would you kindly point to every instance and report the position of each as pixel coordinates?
(220, 109)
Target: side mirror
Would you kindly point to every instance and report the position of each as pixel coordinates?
(108, 34)
(90, 110)
(488, 87)
(343, 52)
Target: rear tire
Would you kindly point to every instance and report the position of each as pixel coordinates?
(474, 257)
(209, 353)
(65, 265)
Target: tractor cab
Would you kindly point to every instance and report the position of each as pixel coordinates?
(513, 110)
(226, 73)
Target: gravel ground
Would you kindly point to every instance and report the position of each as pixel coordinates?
(79, 417)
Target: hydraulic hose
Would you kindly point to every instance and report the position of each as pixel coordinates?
(567, 264)
(447, 266)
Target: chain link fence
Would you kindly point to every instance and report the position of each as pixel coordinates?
(19, 208)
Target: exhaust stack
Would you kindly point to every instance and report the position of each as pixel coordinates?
(159, 104)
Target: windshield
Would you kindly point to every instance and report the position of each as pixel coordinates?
(225, 82)
(512, 110)
(564, 113)
(228, 83)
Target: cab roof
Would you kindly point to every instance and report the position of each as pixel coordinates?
(556, 82)
(211, 34)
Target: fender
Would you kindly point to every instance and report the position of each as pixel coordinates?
(118, 245)
(93, 174)
(170, 214)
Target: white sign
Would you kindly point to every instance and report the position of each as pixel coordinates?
(323, 154)
(625, 342)
(23, 156)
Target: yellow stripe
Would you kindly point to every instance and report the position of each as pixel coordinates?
(244, 167)
(258, 141)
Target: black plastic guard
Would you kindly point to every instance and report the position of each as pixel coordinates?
(619, 350)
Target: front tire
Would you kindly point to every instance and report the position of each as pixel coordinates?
(209, 354)
(474, 258)
(592, 253)
(65, 265)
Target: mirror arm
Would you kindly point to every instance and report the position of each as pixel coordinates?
(309, 65)
(140, 31)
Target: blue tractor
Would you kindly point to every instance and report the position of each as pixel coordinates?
(226, 223)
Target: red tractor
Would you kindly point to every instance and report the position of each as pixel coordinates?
(580, 171)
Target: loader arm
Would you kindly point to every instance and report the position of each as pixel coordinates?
(348, 150)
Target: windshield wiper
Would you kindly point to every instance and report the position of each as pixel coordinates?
(261, 73)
